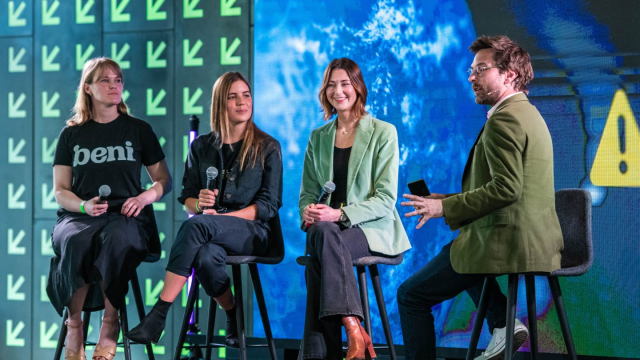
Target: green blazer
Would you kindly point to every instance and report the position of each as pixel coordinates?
(372, 181)
(506, 212)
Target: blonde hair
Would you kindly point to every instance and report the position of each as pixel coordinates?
(251, 148)
(357, 81)
(92, 70)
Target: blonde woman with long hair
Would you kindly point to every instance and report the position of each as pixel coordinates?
(230, 220)
(98, 245)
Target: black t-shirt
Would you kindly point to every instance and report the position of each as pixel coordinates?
(108, 154)
(229, 156)
(340, 172)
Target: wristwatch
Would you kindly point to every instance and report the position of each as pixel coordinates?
(343, 217)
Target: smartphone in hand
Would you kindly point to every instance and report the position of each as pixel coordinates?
(419, 188)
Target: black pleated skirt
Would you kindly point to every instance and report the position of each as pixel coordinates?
(91, 250)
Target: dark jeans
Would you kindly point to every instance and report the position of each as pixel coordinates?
(332, 291)
(431, 285)
(203, 243)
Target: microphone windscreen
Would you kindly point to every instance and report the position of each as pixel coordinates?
(329, 187)
(212, 172)
(104, 191)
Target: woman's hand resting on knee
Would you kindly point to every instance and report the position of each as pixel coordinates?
(314, 213)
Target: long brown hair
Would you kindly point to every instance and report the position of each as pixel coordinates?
(508, 56)
(355, 77)
(92, 70)
(251, 148)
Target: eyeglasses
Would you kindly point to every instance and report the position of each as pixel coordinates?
(480, 70)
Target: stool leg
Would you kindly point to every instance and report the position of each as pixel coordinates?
(237, 285)
(125, 328)
(187, 316)
(364, 297)
(512, 297)
(377, 288)
(62, 336)
(213, 307)
(477, 324)
(530, 283)
(257, 287)
(86, 318)
(137, 296)
(562, 316)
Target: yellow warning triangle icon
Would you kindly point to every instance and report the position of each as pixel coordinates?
(617, 161)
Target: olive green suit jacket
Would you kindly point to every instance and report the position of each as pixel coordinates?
(506, 211)
(372, 181)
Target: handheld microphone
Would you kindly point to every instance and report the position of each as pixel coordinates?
(104, 191)
(327, 189)
(212, 173)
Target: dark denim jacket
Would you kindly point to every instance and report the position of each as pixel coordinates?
(254, 185)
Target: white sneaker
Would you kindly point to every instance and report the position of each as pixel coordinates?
(496, 347)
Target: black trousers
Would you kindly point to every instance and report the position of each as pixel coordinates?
(203, 243)
(332, 290)
(431, 285)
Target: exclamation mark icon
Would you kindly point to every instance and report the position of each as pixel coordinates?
(622, 142)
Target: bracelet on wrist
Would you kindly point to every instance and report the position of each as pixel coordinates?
(82, 207)
(197, 206)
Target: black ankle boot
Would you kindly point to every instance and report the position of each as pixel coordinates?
(150, 328)
(231, 339)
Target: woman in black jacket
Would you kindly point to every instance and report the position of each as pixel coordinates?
(233, 219)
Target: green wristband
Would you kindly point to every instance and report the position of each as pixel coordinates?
(82, 207)
(197, 207)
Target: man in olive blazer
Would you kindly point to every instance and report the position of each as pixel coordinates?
(506, 210)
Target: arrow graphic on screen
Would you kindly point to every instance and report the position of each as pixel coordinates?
(153, 104)
(14, 151)
(48, 109)
(48, 58)
(48, 17)
(153, 10)
(13, 288)
(151, 293)
(82, 12)
(13, 243)
(46, 247)
(48, 198)
(14, 14)
(14, 106)
(48, 150)
(117, 11)
(83, 56)
(189, 54)
(14, 60)
(227, 9)
(43, 289)
(14, 197)
(226, 53)
(118, 56)
(189, 103)
(153, 56)
(46, 335)
(13, 333)
(190, 11)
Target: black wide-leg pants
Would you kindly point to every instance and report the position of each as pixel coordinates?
(203, 243)
(332, 290)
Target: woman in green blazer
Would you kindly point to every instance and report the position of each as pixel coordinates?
(360, 155)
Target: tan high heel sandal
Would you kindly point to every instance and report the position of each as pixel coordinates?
(72, 355)
(108, 352)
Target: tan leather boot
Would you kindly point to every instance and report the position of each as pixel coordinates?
(359, 346)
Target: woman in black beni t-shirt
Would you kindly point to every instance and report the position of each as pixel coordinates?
(231, 220)
(98, 246)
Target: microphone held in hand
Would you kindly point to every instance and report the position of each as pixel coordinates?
(327, 189)
(104, 191)
(212, 173)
